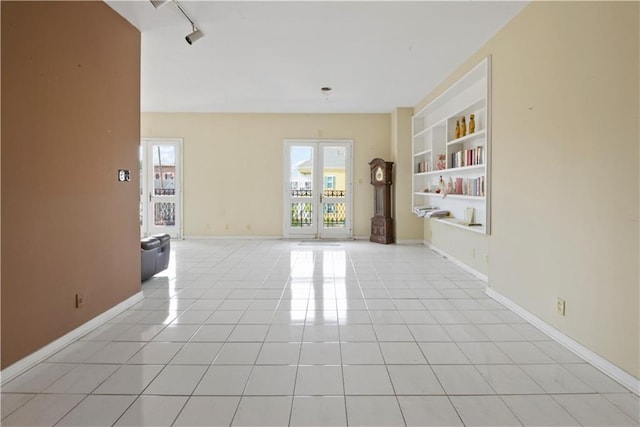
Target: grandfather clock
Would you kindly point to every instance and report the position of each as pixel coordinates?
(381, 223)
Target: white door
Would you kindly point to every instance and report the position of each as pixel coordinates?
(317, 190)
(161, 187)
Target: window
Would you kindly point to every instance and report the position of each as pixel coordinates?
(329, 182)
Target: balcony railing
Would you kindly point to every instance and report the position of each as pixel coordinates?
(334, 214)
(325, 193)
(164, 214)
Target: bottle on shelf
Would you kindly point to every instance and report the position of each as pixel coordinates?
(441, 186)
(472, 124)
(463, 127)
(457, 133)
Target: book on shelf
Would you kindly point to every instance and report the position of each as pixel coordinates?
(437, 213)
(469, 157)
(421, 211)
(423, 167)
(469, 186)
(430, 212)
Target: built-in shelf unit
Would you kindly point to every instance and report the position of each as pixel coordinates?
(451, 169)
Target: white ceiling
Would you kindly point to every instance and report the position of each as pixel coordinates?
(275, 56)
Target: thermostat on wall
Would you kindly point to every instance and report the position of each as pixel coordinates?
(124, 175)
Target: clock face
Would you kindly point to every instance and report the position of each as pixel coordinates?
(379, 174)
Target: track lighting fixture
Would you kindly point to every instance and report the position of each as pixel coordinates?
(159, 3)
(196, 34)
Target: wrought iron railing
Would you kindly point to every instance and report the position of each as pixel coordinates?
(164, 214)
(333, 193)
(164, 191)
(325, 193)
(334, 214)
(301, 214)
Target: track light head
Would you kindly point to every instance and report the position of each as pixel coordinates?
(194, 36)
(159, 3)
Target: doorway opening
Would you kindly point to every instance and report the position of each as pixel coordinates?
(318, 189)
(161, 187)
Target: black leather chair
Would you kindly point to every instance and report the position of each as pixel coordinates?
(154, 255)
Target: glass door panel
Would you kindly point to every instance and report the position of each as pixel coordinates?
(334, 189)
(163, 196)
(299, 192)
(317, 189)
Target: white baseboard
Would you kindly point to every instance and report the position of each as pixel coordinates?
(232, 237)
(619, 375)
(457, 262)
(50, 349)
(409, 242)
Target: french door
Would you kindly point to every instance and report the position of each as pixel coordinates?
(161, 187)
(317, 189)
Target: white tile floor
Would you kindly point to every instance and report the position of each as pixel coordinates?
(275, 333)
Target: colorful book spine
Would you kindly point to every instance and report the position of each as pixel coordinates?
(423, 167)
(469, 157)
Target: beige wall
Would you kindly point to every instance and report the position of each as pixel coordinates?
(565, 190)
(472, 249)
(70, 120)
(408, 227)
(233, 165)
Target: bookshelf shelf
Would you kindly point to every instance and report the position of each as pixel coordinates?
(422, 153)
(454, 223)
(465, 160)
(454, 170)
(449, 196)
(420, 133)
(477, 134)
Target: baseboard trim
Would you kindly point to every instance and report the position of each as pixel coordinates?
(409, 242)
(232, 237)
(12, 371)
(457, 262)
(608, 368)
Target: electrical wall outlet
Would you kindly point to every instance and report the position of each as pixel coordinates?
(560, 306)
(79, 300)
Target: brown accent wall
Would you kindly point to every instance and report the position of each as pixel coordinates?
(70, 120)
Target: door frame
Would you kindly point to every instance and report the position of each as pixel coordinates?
(318, 183)
(145, 143)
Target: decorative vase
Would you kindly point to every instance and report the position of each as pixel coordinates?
(457, 133)
(442, 162)
(463, 127)
(472, 124)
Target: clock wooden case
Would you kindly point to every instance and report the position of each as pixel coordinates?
(381, 223)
